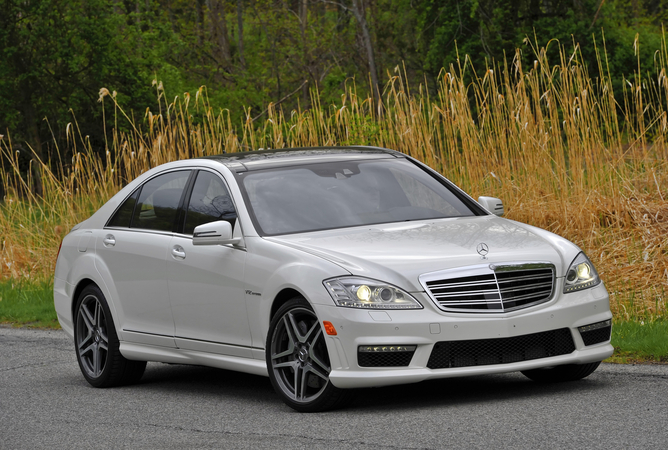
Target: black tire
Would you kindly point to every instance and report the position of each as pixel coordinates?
(97, 346)
(298, 362)
(558, 374)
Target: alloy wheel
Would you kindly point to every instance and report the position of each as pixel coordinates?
(299, 358)
(92, 340)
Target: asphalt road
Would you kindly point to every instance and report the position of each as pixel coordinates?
(46, 403)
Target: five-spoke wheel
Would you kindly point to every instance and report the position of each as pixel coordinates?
(298, 361)
(92, 341)
(97, 343)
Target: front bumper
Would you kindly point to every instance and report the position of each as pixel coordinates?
(424, 328)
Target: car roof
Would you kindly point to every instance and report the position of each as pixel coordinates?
(264, 159)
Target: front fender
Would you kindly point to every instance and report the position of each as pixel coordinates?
(272, 268)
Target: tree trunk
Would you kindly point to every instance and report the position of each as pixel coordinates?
(199, 19)
(240, 29)
(359, 11)
(219, 34)
(303, 17)
(35, 142)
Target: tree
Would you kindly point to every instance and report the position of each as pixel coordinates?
(358, 9)
(56, 55)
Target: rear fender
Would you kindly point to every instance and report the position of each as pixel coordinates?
(84, 270)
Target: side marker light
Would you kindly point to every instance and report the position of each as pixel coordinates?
(329, 328)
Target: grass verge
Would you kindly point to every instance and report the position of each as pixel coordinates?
(27, 304)
(640, 342)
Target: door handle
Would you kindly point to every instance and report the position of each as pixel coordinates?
(109, 240)
(178, 252)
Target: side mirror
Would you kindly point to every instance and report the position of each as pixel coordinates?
(214, 233)
(492, 204)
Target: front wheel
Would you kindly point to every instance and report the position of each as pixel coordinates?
(557, 374)
(298, 362)
(97, 344)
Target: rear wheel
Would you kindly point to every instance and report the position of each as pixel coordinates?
(557, 374)
(298, 361)
(97, 343)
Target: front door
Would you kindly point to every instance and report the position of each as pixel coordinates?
(206, 287)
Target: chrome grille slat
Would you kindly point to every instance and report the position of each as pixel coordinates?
(467, 293)
(475, 286)
(538, 278)
(524, 297)
(514, 280)
(481, 302)
(534, 287)
(490, 288)
(540, 282)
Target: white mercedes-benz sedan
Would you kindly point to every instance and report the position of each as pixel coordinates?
(326, 269)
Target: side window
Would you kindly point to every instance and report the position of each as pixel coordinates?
(123, 215)
(159, 200)
(210, 201)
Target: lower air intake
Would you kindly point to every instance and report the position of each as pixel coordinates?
(395, 359)
(484, 352)
(596, 336)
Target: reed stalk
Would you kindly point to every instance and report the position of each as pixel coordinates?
(551, 140)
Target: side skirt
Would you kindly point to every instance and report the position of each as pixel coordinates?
(143, 352)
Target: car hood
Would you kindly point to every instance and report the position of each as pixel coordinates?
(399, 253)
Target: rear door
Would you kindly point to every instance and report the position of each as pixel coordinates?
(134, 247)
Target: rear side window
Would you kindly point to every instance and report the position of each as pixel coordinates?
(210, 201)
(123, 215)
(159, 200)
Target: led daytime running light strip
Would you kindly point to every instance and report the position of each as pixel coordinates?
(386, 348)
(577, 287)
(595, 326)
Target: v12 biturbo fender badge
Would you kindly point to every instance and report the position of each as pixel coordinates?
(483, 250)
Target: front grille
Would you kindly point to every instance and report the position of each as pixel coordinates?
(490, 288)
(596, 336)
(484, 352)
(384, 359)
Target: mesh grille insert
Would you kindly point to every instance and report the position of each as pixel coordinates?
(483, 352)
(384, 359)
(596, 336)
(493, 289)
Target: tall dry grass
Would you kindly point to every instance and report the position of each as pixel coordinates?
(549, 139)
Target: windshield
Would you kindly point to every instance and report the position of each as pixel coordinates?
(345, 194)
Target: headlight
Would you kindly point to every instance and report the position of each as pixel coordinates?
(353, 292)
(580, 275)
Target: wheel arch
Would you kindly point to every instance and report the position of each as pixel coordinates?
(81, 285)
(284, 296)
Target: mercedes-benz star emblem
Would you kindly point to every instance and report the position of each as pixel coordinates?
(482, 249)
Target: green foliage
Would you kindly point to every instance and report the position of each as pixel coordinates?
(27, 303)
(487, 30)
(57, 54)
(639, 340)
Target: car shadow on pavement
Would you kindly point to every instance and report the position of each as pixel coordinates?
(484, 389)
(187, 379)
(468, 391)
